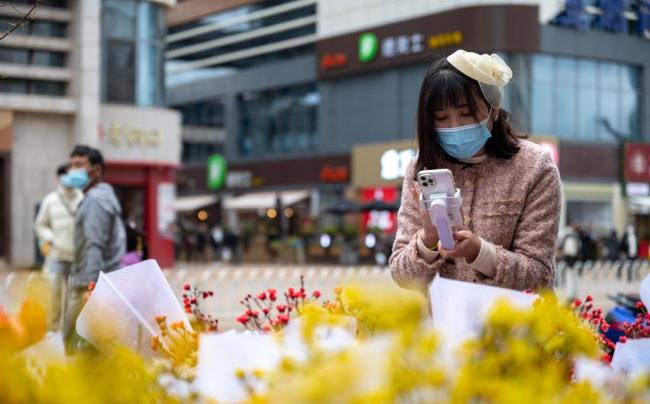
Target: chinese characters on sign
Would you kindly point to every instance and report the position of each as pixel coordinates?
(122, 135)
(402, 45)
(394, 163)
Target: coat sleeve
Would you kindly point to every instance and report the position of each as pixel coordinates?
(43, 223)
(408, 268)
(96, 225)
(531, 262)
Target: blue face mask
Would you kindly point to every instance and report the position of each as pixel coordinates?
(75, 179)
(463, 142)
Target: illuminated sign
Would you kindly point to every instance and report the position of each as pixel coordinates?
(445, 39)
(334, 174)
(394, 163)
(418, 40)
(333, 61)
(402, 45)
(368, 45)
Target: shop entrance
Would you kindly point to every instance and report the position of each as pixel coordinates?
(132, 199)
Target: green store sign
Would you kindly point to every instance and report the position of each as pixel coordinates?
(217, 170)
(368, 47)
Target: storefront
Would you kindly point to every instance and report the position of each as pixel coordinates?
(142, 150)
(636, 176)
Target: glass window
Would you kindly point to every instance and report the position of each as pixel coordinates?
(630, 78)
(565, 111)
(542, 108)
(542, 68)
(14, 86)
(566, 70)
(580, 99)
(587, 72)
(609, 115)
(630, 103)
(119, 71)
(283, 120)
(587, 113)
(119, 18)
(15, 56)
(133, 30)
(48, 58)
(48, 28)
(609, 76)
(48, 87)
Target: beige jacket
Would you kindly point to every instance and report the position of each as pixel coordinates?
(55, 222)
(512, 205)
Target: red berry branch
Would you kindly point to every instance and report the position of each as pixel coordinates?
(191, 299)
(265, 313)
(592, 318)
(640, 328)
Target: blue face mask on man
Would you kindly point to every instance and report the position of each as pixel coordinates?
(463, 142)
(75, 179)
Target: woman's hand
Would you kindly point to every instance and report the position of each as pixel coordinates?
(467, 246)
(430, 234)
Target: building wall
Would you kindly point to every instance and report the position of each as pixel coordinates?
(274, 75)
(40, 143)
(600, 45)
(336, 17)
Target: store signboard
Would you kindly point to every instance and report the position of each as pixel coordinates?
(637, 163)
(381, 164)
(384, 220)
(478, 28)
(140, 135)
(217, 170)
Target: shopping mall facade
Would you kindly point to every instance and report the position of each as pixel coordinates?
(313, 102)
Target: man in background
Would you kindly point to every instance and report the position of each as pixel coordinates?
(54, 227)
(100, 240)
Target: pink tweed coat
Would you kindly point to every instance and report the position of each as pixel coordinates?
(513, 204)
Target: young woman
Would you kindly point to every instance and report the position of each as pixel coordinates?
(510, 187)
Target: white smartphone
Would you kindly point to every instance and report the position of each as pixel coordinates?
(442, 200)
(437, 182)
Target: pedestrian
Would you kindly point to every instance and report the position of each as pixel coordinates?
(99, 241)
(629, 250)
(217, 237)
(612, 246)
(510, 187)
(571, 246)
(54, 227)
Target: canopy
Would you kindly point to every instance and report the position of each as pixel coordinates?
(195, 202)
(263, 200)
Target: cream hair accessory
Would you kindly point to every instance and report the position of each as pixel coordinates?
(490, 71)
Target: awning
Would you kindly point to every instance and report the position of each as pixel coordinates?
(639, 204)
(192, 203)
(263, 200)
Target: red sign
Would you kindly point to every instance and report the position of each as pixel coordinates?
(331, 61)
(334, 174)
(383, 219)
(637, 162)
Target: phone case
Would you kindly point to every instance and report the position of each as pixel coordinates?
(442, 200)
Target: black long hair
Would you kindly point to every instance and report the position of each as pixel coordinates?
(445, 86)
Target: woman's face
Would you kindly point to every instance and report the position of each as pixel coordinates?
(452, 117)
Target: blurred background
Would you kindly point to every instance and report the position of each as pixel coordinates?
(250, 132)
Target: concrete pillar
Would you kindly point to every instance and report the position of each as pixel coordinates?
(85, 63)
